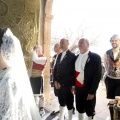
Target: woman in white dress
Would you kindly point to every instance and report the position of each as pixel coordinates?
(16, 97)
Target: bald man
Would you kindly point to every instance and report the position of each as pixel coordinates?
(88, 75)
(64, 76)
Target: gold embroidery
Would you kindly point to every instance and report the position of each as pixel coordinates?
(36, 73)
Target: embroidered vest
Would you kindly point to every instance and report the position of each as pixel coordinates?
(37, 69)
(113, 65)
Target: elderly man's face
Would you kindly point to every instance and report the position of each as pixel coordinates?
(38, 51)
(64, 44)
(57, 48)
(115, 42)
(83, 45)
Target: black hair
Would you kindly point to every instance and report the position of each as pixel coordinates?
(2, 31)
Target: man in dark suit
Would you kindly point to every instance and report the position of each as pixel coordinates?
(88, 75)
(57, 50)
(64, 76)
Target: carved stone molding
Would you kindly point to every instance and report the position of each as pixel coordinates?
(3, 8)
(22, 17)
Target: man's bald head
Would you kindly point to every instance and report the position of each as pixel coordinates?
(64, 39)
(84, 40)
(57, 44)
(57, 48)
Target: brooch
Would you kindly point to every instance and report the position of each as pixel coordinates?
(65, 56)
(88, 60)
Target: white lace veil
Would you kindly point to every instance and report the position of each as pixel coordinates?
(12, 54)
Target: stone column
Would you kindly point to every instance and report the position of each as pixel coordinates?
(46, 48)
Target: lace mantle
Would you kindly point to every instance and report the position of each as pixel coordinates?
(12, 105)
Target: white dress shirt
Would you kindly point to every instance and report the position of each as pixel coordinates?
(80, 65)
(63, 54)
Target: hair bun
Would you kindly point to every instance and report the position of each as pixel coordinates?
(2, 31)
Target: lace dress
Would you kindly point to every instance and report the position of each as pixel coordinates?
(12, 103)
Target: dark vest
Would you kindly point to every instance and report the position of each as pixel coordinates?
(113, 65)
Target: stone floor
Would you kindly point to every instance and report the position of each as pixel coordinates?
(102, 112)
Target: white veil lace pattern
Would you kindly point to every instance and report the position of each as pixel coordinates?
(15, 88)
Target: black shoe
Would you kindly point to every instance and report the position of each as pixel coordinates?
(111, 110)
(73, 110)
(42, 112)
(55, 112)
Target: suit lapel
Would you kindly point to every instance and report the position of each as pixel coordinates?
(59, 58)
(65, 57)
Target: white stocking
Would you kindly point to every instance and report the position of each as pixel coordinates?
(70, 114)
(62, 113)
(36, 100)
(81, 116)
(42, 101)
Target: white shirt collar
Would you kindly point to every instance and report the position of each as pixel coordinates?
(84, 53)
(65, 52)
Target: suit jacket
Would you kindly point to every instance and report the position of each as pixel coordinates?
(64, 71)
(52, 63)
(92, 72)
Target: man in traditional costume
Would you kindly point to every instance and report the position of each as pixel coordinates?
(57, 50)
(112, 67)
(64, 75)
(37, 78)
(88, 75)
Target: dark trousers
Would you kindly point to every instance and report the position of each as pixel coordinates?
(112, 87)
(37, 85)
(82, 104)
(65, 97)
(55, 91)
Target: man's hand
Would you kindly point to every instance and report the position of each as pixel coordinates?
(59, 86)
(56, 84)
(73, 90)
(90, 96)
